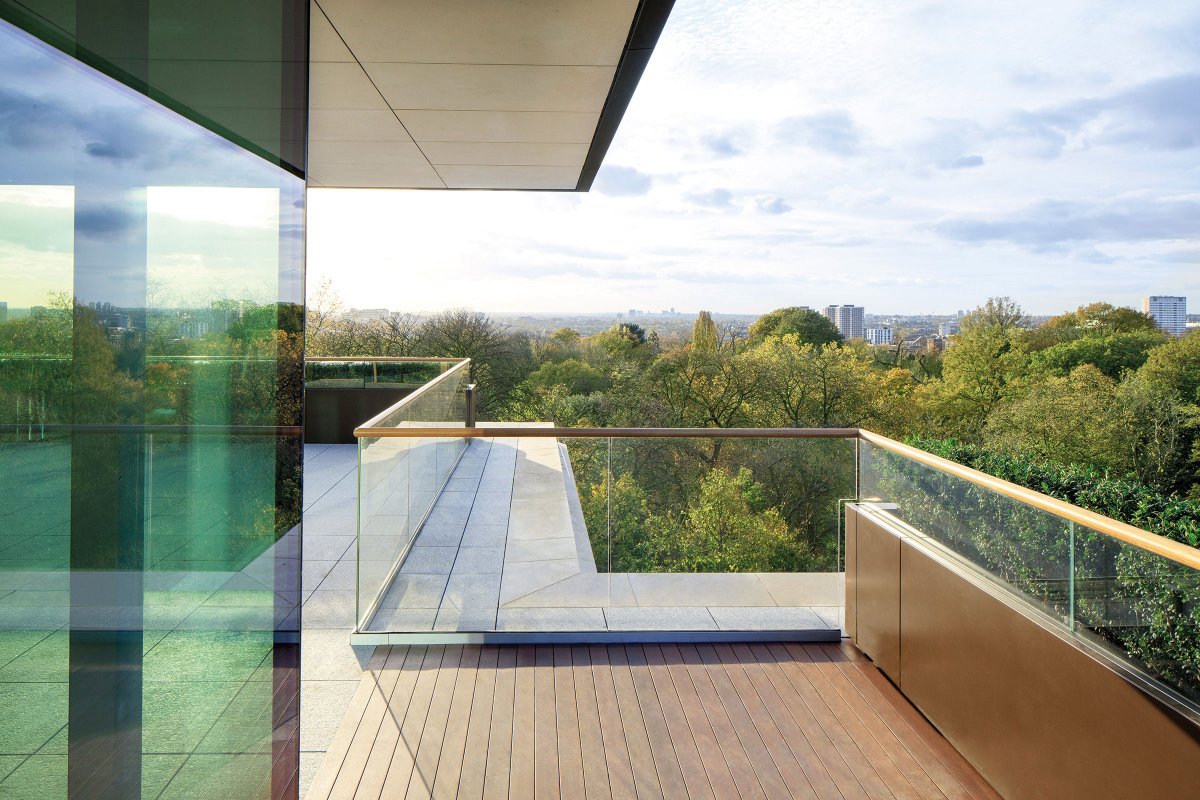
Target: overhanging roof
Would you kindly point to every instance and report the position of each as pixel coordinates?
(472, 94)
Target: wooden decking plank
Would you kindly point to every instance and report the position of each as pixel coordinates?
(419, 779)
(823, 675)
(399, 737)
(885, 694)
(637, 721)
(545, 725)
(616, 752)
(635, 678)
(449, 760)
(886, 723)
(827, 658)
(695, 774)
(521, 766)
(373, 730)
(591, 739)
(716, 766)
(499, 753)
(473, 763)
(339, 747)
(570, 751)
(795, 772)
(827, 750)
(770, 775)
(740, 762)
(796, 671)
(790, 732)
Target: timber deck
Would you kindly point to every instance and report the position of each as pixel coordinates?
(636, 720)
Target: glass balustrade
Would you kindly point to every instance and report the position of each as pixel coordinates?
(1139, 606)
(400, 478)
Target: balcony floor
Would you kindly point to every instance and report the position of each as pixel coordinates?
(616, 721)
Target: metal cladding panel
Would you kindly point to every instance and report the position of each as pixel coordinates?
(1037, 713)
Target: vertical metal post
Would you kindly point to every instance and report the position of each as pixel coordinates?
(470, 392)
(1071, 576)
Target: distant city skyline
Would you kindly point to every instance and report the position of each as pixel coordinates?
(907, 155)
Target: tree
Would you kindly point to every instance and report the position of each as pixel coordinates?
(1063, 420)
(998, 312)
(1112, 353)
(986, 365)
(704, 334)
(322, 310)
(801, 385)
(1176, 365)
(576, 376)
(807, 325)
(500, 359)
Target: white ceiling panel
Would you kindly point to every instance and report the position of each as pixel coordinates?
(508, 154)
(492, 87)
(484, 31)
(352, 152)
(486, 177)
(373, 176)
(324, 43)
(342, 86)
(500, 126)
(485, 94)
(355, 125)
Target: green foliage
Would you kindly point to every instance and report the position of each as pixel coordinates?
(1176, 366)
(1112, 353)
(805, 324)
(705, 338)
(576, 376)
(985, 366)
(1066, 420)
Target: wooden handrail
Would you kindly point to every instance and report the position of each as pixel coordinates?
(1159, 545)
(1176, 552)
(366, 431)
(385, 360)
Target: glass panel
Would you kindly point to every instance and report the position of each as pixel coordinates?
(150, 387)
(366, 373)
(399, 481)
(235, 68)
(1024, 547)
(538, 534)
(1142, 607)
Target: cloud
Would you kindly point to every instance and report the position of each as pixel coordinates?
(831, 131)
(713, 198)
(963, 162)
(105, 221)
(1052, 224)
(1162, 114)
(723, 145)
(772, 204)
(622, 181)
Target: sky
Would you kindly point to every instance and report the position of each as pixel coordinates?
(911, 157)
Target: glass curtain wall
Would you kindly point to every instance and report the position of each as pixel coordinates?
(151, 343)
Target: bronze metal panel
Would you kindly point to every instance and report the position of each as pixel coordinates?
(877, 613)
(851, 572)
(1036, 714)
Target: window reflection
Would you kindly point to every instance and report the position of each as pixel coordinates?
(150, 378)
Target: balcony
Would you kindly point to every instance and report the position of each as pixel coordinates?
(510, 589)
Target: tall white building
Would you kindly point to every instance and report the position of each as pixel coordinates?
(848, 319)
(878, 335)
(1168, 312)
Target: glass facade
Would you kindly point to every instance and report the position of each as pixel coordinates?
(151, 380)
